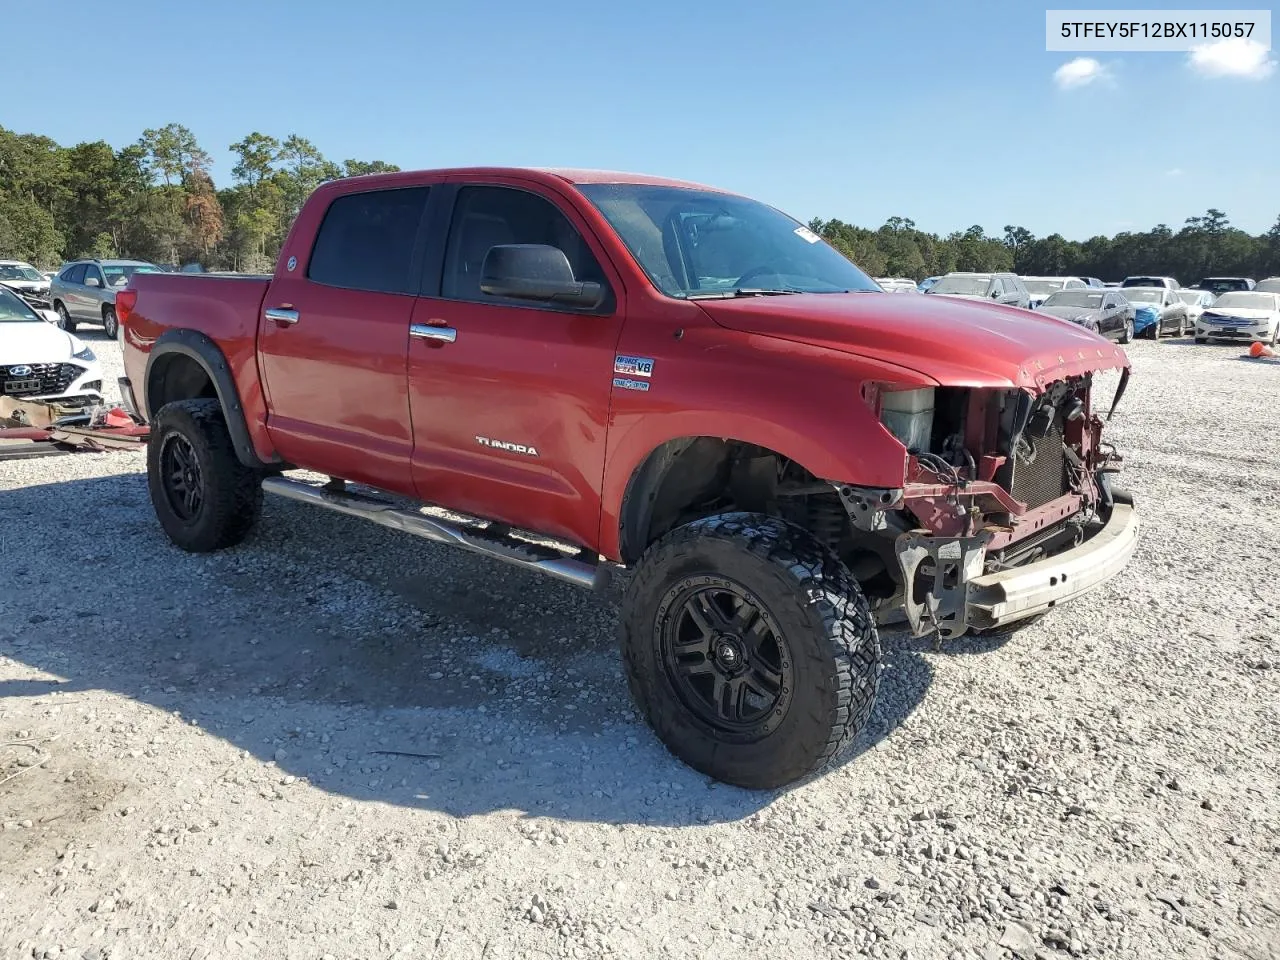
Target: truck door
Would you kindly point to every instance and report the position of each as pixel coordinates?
(510, 398)
(334, 336)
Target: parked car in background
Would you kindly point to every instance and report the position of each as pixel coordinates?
(1005, 288)
(1220, 285)
(1166, 313)
(1041, 288)
(926, 283)
(1269, 285)
(897, 284)
(39, 361)
(1111, 283)
(85, 291)
(1241, 315)
(1196, 301)
(1104, 312)
(23, 278)
(1093, 282)
(1167, 282)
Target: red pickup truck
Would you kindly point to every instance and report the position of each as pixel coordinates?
(610, 370)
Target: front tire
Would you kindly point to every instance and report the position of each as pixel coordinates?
(750, 649)
(110, 325)
(1126, 335)
(64, 319)
(204, 497)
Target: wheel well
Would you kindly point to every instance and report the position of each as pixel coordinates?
(106, 307)
(693, 477)
(175, 376)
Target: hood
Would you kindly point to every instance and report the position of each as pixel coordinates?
(34, 342)
(954, 341)
(1074, 314)
(1236, 313)
(31, 285)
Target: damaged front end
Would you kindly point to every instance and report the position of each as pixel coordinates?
(1008, 506)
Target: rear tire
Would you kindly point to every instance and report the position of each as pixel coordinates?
(1202, 339)
(204, 497)
(110, 325)
(64, 319)
(750, 649)
(1155, 328)
(1126, 335)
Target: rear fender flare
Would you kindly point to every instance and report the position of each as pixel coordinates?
(208, 355)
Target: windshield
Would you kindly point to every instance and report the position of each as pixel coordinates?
(1219, 284)
(1143, 282)
(118, 274)
(1143, 296)
(1038, 287)
(13, 309)
(1190, 297)
(695, 243)
(10, 271)
(1247, 301)
(964, 286)
(1074, 298)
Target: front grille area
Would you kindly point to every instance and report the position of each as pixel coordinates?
(1044, 478)
(52, 377)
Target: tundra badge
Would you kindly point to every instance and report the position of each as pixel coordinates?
(509, 447)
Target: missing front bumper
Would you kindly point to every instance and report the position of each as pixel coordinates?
(961, 598)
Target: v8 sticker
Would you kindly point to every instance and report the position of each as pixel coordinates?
(633, 366)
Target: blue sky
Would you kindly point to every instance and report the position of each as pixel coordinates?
(943, 112)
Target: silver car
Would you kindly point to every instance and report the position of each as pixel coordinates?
(84, 291)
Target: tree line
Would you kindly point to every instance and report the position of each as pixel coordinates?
(155, 200)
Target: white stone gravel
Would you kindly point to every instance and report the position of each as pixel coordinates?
(338, 741)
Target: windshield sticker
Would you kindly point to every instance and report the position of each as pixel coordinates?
(627, 384)
(633, 366)
(804, 233)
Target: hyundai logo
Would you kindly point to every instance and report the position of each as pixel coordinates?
(22, 370)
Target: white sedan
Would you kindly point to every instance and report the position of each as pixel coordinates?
(1241, 315)
(40, 362)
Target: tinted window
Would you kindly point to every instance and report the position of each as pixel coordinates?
(94, 272)
(486, 217)
(75, 274)
(366, 241)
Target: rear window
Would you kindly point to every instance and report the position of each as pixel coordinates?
(366, 241)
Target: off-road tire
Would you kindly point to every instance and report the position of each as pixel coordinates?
(809, 595)
(110, 325)
(64, 318)
(231, 492)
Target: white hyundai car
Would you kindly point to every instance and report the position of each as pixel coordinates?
(1241, 315)
(40, 362)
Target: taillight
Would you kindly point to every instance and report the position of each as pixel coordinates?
(126, 300)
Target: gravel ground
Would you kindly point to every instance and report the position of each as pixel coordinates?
(338, 741)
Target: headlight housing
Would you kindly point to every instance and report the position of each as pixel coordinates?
(84, 353)
(908, 415)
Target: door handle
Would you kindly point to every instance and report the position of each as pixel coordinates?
(424, 331)
(282, 315)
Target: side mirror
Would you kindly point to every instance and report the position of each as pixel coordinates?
(92, 282)
(536, 271)
(995, 294)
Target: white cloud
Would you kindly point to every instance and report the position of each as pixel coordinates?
(1175, 172)
(1236, 57)
(1079, 72)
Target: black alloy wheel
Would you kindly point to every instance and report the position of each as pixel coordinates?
(181, 477)
(725, 656)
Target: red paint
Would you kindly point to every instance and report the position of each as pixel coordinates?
(347, 392)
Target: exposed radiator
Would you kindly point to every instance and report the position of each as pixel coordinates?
(1042, 478)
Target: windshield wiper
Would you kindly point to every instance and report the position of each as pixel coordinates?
(742, 292)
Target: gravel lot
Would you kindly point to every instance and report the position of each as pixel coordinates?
(338, 741)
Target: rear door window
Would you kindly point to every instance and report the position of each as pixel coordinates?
(367, 241)
(74, 274)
